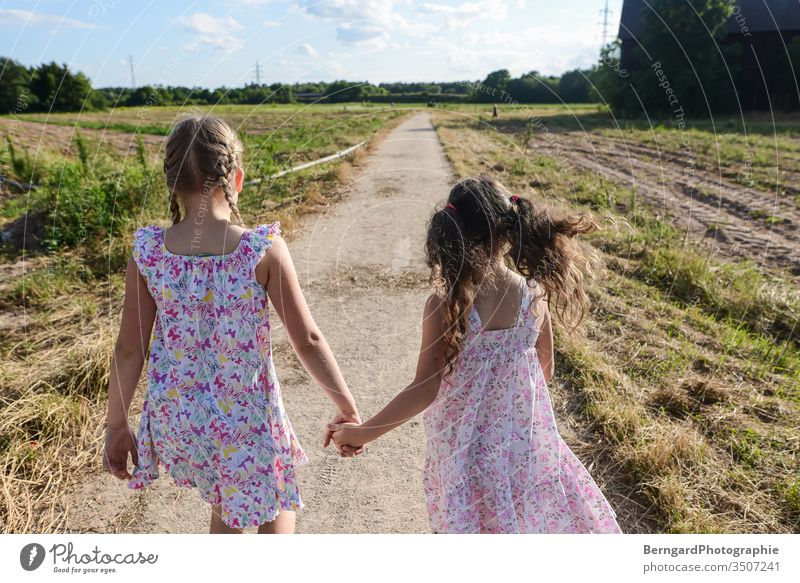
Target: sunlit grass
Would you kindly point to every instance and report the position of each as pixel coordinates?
(60, 294)
(689, 366)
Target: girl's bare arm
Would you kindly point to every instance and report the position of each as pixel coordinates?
(130, 350)
(417, 396)
(308, 342)
(133, 340)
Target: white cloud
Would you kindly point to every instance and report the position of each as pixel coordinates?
(544, 35)
(11, 16)
(217, 32)
(306, 50)
(271, 24)
(203, 23)
(361, 22)
(375, 10)
(456, 15)
(249, 3)
(364, 35)
(475, 62)
(190, 47)
(339, 70)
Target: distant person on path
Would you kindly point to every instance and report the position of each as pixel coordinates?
(495, 461)
(213, 415)
(494, 111)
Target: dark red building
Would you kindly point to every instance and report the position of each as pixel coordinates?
(763, 28)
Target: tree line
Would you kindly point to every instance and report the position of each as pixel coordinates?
(55, 87)
(683, 63)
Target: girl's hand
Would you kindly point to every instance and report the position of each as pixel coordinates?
(119, 442)
(347, 438)
(343, 417)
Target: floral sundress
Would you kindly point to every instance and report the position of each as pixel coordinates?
(213, 415)
(495, 462)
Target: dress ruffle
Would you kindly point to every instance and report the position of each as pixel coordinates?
(496, 502)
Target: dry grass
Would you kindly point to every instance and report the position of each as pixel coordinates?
(694, 403)
(52, 419)
(57, 330)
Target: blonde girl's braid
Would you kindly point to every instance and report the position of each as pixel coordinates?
(226, 169)
(172, 179)
(174, 208)
(202, 150)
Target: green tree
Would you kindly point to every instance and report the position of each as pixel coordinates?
(14, 79)
(612, 82)
(57, 89)
(493, 87)
(344, 91)
(573, 87)
(144, 95)
(533, 88)
(282, 93)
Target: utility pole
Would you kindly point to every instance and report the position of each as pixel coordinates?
(605, 13)
(258, 74)
(133, 75)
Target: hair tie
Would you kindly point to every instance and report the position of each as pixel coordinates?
(450, 205)
(514, 199)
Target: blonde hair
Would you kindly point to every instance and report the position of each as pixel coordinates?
(201, 151)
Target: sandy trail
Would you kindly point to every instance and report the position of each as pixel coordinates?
(362, 271)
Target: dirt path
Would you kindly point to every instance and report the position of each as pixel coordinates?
(362, 272)
(361, 268)
(732, 219)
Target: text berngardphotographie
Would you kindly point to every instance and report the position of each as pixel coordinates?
(711, 550)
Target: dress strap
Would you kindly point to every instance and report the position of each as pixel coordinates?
(473, 320)
(525, 303)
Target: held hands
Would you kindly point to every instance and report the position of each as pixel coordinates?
(344, 449)
(347, 438)
(119, 443)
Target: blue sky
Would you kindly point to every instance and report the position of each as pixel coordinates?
(211, 44)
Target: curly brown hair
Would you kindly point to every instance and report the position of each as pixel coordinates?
(482, 219)
(201, 152)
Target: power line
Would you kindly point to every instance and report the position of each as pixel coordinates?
(133, 74)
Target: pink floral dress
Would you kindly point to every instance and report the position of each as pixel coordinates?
(495, 461)
(213, 415)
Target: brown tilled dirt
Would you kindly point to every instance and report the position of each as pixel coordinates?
(733, 220)
(35, 137)
(360, 264)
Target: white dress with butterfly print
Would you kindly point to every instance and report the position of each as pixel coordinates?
(213, 415)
